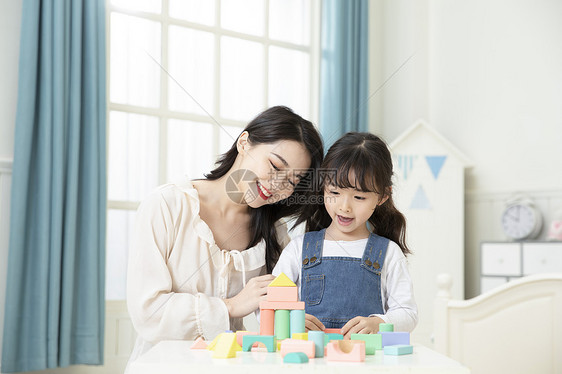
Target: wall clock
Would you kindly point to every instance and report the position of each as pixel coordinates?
(521, 219)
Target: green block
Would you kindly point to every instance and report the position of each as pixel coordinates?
(398, 350)
(269, 341)
(386, 327)
(282, 324)
(372, 342)
(295, 358)
(332, 336)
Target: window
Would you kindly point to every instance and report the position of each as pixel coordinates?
(185, 76)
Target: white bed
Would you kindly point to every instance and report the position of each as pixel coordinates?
(515, 328)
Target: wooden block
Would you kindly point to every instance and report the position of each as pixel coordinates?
(386, 327)
(267, 322)
(372, 342)
(395, 338)
(332, 336)
(297, 321)
(213, 343)
(240, 336)
(398, 350)
(269, 341)
(282, 324)
(346, 350)
(294, 345)
(199, 343)
(299, 336)
(295, 358)
(282, 281)
(287, 305)
(226, 346)
(318, 338)
(332, 331)
(282, 294)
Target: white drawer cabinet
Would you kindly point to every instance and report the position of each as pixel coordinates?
(502, 261)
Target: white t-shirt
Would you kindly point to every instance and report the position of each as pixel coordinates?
(397, 293)
(177, 275)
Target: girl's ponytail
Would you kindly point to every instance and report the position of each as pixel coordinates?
(387, 221)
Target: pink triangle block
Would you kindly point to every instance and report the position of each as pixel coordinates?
(200, 343)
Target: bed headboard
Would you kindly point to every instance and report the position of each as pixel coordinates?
(515, 328)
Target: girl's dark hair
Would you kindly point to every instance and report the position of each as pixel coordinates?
(367, 157)
(275, 124)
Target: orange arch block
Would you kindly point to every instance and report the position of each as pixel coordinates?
(346, 350)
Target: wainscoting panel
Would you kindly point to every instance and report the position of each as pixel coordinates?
(483, 223)
(5, 183)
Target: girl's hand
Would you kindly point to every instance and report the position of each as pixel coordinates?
(248, 300)
(312, 323)
(361, 325)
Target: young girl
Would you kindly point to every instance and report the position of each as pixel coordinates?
(353, 273)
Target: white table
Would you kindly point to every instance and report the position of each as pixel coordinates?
(176, 357)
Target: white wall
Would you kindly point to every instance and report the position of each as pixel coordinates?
(10, 18)
(486, 74)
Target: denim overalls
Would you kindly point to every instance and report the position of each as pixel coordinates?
(337, 289)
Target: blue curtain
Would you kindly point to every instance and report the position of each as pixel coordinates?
(54, 309)
(344, 75)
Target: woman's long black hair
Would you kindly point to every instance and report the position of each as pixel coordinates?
(273, 125)
(366, 156)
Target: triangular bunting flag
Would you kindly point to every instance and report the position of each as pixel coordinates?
(420, 200)
(435, 164)
(282, 281)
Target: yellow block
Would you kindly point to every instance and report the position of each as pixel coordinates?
(211, 346)
(226, 346)
(300, 335)
(282, 281)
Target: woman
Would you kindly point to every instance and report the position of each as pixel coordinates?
(196, 243)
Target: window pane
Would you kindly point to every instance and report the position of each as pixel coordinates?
(289, 77)
(199, 11)
(247, 16)
(152, 6)
(190, 149)
(191, 68)
(295, 13)
(119, 232)
(242, 88)
(135, 76)
(227, 137)
(133, 156)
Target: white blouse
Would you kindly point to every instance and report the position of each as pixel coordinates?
(397, 292)
(177, 275)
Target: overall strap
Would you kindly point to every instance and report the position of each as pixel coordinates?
(375, 253)
(312, 248)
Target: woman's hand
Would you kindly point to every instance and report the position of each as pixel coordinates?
(361, 325)
(312, 323)
(248, 300)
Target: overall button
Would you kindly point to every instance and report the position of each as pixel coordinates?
(368, 262)
(376, 265)
(313, 259)
(305, 261)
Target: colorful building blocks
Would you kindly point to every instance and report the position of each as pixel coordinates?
(267, 321)
(282, 324)
(297, 321)
(295, 358)
(200, 343)
(294, 345)
(270, 342)
(346, 350)
(226, 346)
(282, 294)
(286, 305)
(300, 336)
(398, 350)
(372, 342)
(395, 338)
(318, 338)
(386, 327)
(282, 281)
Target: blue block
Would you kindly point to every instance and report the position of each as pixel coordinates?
(395, 338)
(318, 338)
(398, 350)
(295, 358)
(297, 321)
(331, 336)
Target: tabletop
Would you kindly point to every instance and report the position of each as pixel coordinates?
(176, 357)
